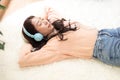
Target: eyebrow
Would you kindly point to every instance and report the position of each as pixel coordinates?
(37, 21)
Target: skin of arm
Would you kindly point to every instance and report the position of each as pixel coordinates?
(40, 57)
(52, 16)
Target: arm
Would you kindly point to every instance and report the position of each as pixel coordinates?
(43, 56)
(76, 24)
(51, 14)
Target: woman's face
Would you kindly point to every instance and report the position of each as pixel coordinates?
(42, 25)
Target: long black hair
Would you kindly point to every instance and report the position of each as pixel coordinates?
(58, 25)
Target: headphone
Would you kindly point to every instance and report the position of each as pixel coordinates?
(37, 36)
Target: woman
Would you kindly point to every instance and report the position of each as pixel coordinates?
(80, 42)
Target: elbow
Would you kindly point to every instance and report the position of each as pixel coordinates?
(21, 63)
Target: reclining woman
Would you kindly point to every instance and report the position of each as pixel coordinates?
(51, 38)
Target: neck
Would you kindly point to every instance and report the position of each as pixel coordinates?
(54, 32)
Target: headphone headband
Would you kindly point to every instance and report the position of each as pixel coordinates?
(37, 36)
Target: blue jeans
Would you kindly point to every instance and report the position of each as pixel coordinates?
(107, 46)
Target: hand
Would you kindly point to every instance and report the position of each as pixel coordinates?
(48, 9)
(76, 24)
(51, 14)
(72, 24)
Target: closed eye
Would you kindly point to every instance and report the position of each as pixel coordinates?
(39, 23)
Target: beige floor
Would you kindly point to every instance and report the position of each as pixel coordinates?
(17, 4)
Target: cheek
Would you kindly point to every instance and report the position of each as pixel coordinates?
(44, 31)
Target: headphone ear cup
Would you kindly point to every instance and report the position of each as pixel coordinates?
(38, 37)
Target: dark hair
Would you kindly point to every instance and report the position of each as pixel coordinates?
(30, 28)
(58, 25)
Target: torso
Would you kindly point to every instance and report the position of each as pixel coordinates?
(80, 43)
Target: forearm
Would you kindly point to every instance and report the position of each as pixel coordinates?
(72, 24)
(51, 14)
(76, 24)
(37, 59)
(43, 56)
(68, 22)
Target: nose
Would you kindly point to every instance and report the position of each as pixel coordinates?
(45, 22)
